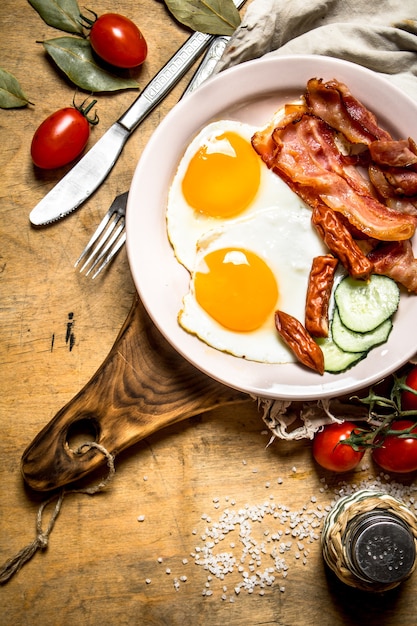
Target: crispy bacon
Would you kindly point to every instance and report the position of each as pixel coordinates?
(307, 157)
(393, 153)
(392, 195)
(303, 146)
(340, 242)
(333, 103)
(402, 180)
(396, 260)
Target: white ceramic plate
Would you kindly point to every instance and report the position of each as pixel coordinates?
(251, 92)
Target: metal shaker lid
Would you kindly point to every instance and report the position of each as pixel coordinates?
(380, 547)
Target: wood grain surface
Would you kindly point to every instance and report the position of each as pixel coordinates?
(129, 555)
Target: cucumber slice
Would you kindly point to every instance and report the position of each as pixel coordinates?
(335, 359)
(351, 341)
(364, 305)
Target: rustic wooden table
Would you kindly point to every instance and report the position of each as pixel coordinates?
(133, 553)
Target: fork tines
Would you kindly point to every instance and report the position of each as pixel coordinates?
(107, 240)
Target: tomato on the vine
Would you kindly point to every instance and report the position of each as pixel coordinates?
(118, 41)
(398, 454)
(331, 453)
(408, 399)
(62, 136)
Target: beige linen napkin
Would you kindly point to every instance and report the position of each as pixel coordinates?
(381, 36)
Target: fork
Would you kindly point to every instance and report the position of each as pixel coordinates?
(107, 240)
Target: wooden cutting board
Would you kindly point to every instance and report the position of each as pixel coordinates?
(142, 386)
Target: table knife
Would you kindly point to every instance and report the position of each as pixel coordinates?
(207, 65)
(88, 174)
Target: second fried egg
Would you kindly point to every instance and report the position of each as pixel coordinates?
(246, 269)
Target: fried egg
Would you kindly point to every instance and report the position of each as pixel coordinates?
(243, 271)
(219, 178)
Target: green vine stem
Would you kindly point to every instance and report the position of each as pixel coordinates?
(383, 411)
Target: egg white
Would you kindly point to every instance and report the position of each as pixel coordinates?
(283, 237)
(185, 226)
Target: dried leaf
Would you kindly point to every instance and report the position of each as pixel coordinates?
(215, 17)
(75, 58)
(11, 94)
(61, 14)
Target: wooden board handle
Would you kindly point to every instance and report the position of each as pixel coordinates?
(142, 386)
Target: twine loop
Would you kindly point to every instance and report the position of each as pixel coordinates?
(13, 565)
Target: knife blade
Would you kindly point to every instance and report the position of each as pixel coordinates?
(92, 169)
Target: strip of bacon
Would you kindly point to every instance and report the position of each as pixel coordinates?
(392, 195)
(402, 180)
(396, 260)
(394, 153)
(333, 103)
(340, 242)
(306, 156)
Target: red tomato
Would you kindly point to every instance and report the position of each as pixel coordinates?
(408, 399)
(118, 41)
(333, 455)
(397, 454)
(61, 137)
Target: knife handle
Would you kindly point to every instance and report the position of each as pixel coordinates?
(209, 62)
(165, 80)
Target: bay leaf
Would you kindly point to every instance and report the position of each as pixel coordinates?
(61, 14)
(75, 58)
(11, 94)
(215, 17)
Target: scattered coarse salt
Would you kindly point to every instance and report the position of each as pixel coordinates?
(264, 539)
(141, 518)
(148, 581)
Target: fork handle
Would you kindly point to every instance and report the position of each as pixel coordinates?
(142, 386)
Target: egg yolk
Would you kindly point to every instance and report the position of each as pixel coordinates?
(223, 176)
(236, 288)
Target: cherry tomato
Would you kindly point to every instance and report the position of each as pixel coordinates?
(118, 41)
(408, 399)
(62, 137)
(397, 454)
(333, 455)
